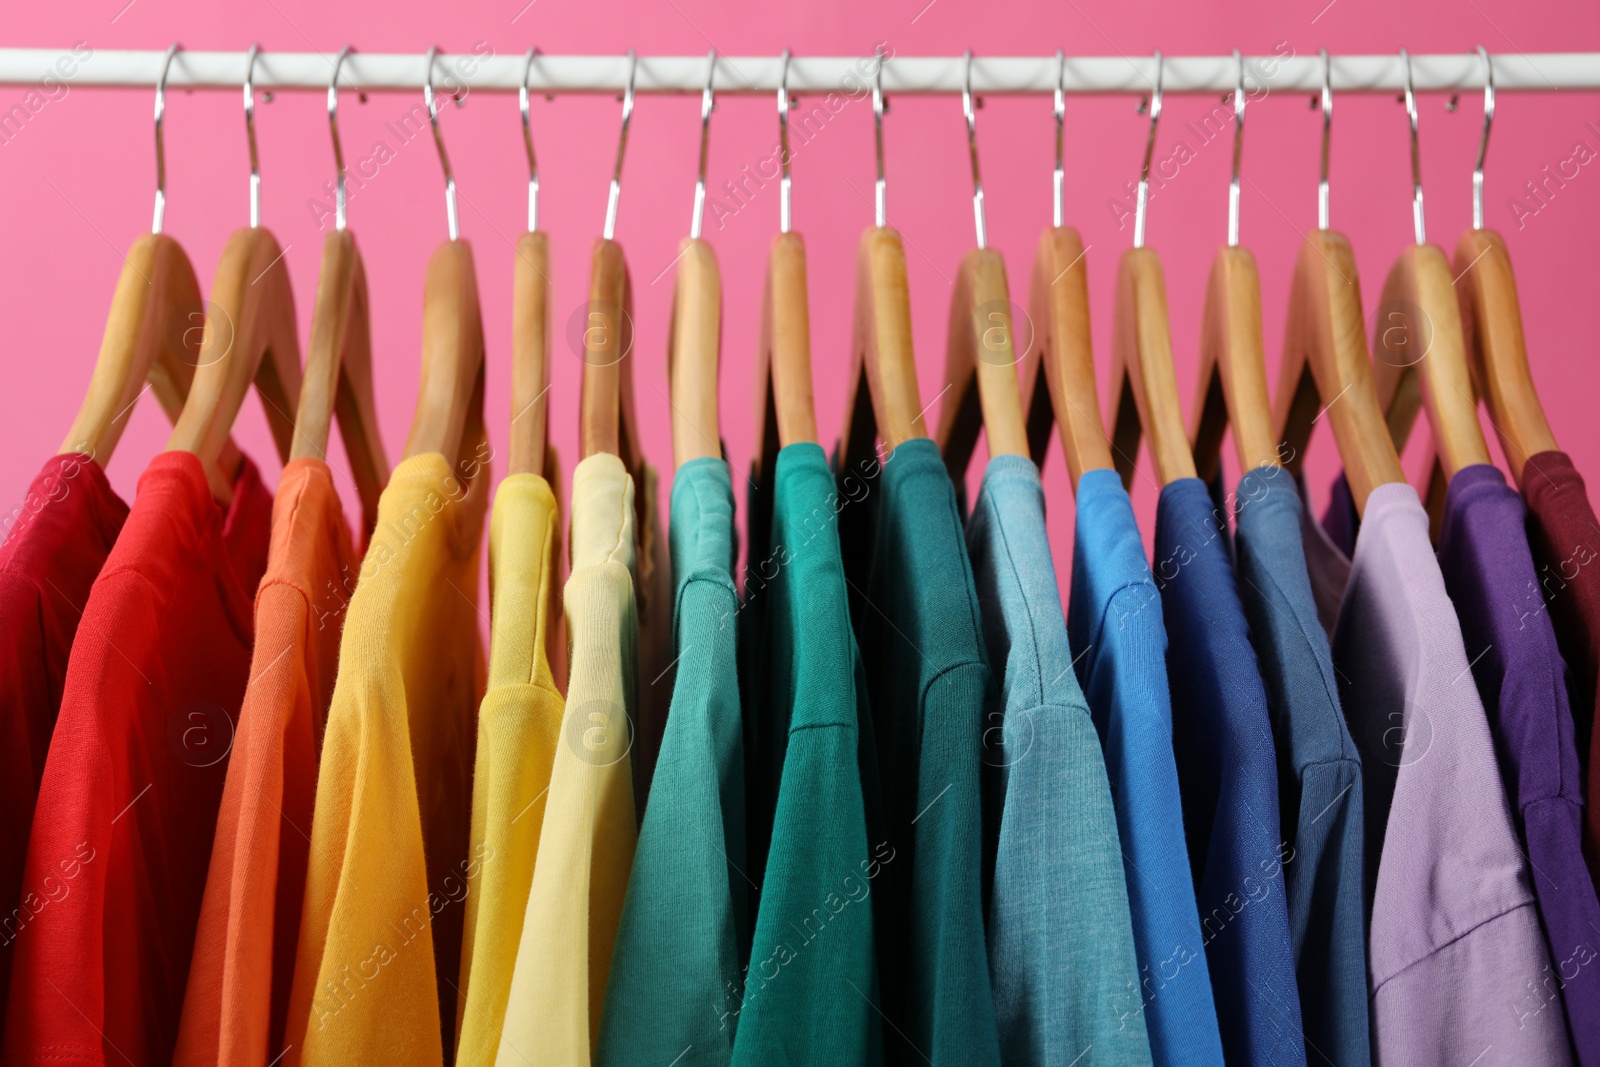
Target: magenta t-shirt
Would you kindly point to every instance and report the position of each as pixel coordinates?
(1457, 963)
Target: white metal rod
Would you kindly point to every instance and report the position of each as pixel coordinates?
(736, 75)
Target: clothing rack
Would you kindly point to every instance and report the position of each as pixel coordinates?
(750, 75)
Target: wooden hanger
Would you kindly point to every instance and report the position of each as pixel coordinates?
(1491, 321)
(606, 421)
(530, 323)
(1058, 304)
(251, 314)
(696, 332)
(1420, 357)
(146, 345)
(980, 352)
(449, 414)
(1233, 374)
(883, 401)
(1325, 357)
(783, 370)
(1144, 385)
(783, 360)
(338, 372)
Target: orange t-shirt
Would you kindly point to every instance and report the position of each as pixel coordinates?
(238, 991)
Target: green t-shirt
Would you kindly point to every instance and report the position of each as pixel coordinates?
(811, 985)
(681, 939)
(916, 617)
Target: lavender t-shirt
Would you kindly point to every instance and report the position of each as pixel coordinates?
(1454, 939)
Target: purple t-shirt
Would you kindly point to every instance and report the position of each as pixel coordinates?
(1489, 573)
(1456, 958)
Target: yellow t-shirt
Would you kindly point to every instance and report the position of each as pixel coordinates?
(586, 844)
(518, 726)
(380, 930)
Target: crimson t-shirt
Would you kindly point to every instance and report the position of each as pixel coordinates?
(57, 539)
(1565, 539)
(123, 826)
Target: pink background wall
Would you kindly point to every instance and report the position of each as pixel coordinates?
(76, 185)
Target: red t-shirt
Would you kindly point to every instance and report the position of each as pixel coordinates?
(128, 803)
(1565, 538)
(57, 541)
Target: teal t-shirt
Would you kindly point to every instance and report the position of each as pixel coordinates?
(1061, 949)
(680, 942)
(811, 985)
(916, 618)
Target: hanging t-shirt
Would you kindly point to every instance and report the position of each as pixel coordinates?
(683, 928)
(1114, 620)
(380, 929)
(56, 541)
(1228, 779)
(519, 727)
(1319, 770)
(586, 844)
(1061, 952)
(1565, 537)
(916, 616)
(810, 992)
(128, 805)
(1489, 574)
(1456, 957)
(238, 990)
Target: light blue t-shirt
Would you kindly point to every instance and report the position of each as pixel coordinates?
(1114, 621)
(1060, 936)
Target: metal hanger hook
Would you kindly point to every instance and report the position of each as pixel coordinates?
(622, 147)
(1416, 152)
(250, 133)
(1141, 206)
(708, 104)
(880, 206)
(1327, 136)
(969, 111)
(1058, 178)
(783, 145)
(1483, 144)
(161, 150)
(451, 218)
(340, 195)
(1238, 154)
(527, 142)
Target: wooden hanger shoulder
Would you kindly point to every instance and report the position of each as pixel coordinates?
(1144, 384)
(449, 409)
(530, 354)
(1058, 371)
(784, 395)
(1491, 321)
(694, 341)
(250, 336)
(885, 364)
(338, 372)
(606, 419)
(1326, 370)
(1233, 379)
(1420, 359)
(981, 389)
(152, 339)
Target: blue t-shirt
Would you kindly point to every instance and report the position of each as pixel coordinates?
(1228, 772)
(1061, 952)
(1319, 768)
(1114, 621)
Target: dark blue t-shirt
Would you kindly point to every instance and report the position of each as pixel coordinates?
(1228, 776)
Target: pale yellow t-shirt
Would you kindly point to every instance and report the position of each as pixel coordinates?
(518, 726)
(586, 845)
(380, 931)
